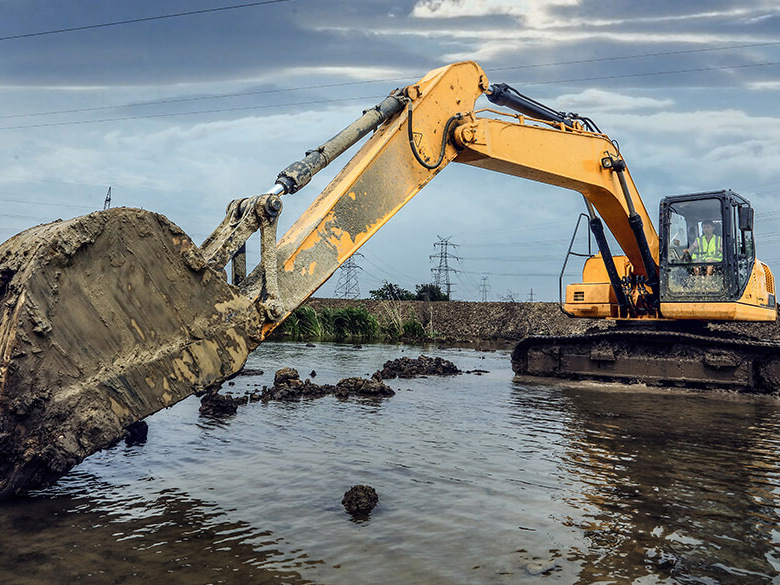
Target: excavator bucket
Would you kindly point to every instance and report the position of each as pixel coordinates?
(105, 319)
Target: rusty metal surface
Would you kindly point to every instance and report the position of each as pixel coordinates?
(105, 319)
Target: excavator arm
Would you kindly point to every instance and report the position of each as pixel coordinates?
(110, 317)
(431, 124)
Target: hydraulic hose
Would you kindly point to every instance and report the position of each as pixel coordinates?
(447, 128)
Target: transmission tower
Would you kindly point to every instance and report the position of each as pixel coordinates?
(348, 286)
(441, 274)
(484, 287)
(107, 202)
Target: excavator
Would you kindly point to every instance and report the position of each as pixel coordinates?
(110, 317)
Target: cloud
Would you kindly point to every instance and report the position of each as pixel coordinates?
(597, 100)
(532, 12)
(310, 54)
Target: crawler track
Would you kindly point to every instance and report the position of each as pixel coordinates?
(656, 358)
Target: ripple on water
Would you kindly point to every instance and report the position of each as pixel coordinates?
(480, 480)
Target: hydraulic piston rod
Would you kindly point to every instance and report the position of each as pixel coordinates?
(299, 173)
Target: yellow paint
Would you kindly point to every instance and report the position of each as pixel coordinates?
(118, 409)
(308, 271)
(137, 329)
(184, 367)
(727, 311)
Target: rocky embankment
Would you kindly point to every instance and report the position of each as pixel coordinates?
(460, 322)
(502, 324)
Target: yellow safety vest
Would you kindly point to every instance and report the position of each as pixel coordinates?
(711, 251)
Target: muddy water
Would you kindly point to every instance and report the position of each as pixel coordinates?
(480, 480)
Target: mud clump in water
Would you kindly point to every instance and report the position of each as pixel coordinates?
(289, 387)
(137, 433)
(359, 500)
(215, 405)
(250, 372)
(422, 366)
(362, 387)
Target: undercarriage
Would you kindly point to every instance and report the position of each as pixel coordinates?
(697, 359)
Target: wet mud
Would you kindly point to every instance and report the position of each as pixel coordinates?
(359, 500)
(422, 366)
(104, 320)
(288, 386)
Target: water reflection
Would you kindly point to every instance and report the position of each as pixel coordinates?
(675, 488)
(480, 481)
(87, 530)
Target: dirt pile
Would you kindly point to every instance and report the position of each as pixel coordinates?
(288, 387)
(422, 366)
(215, 405)
(359, 500)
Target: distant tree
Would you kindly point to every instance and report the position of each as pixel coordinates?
(391, 292)
(430, 292)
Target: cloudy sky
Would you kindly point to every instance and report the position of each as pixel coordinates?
(183, 105)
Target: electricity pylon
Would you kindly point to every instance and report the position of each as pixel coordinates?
(484, 287)
(348, 285)
(441, 274)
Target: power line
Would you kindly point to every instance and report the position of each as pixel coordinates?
(47, 204)
(374, 97)
(638, 56)
(392, 79)
(219, 96)
(171, 114)
(651, 73)
(137, 20)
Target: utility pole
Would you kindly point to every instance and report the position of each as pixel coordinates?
(484, 287)
(348, 286)
(531, 296)
(441, 274)
(107, 202)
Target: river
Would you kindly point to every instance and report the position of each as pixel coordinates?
(481, 480)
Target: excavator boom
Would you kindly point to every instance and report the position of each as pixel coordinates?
(108, 318)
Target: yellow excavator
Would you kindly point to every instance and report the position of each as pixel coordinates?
(110, 317)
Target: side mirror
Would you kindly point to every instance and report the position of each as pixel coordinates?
(746, 218)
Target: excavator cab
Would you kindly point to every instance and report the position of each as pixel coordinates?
(707, 260)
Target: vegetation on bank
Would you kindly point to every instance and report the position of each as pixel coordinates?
(353, 324)
(390, 291)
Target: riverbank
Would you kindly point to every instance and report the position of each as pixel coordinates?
(464, 323)
(498, 324)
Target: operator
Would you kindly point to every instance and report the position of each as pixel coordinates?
(707, 247)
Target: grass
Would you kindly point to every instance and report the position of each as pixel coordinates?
(354, 324)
